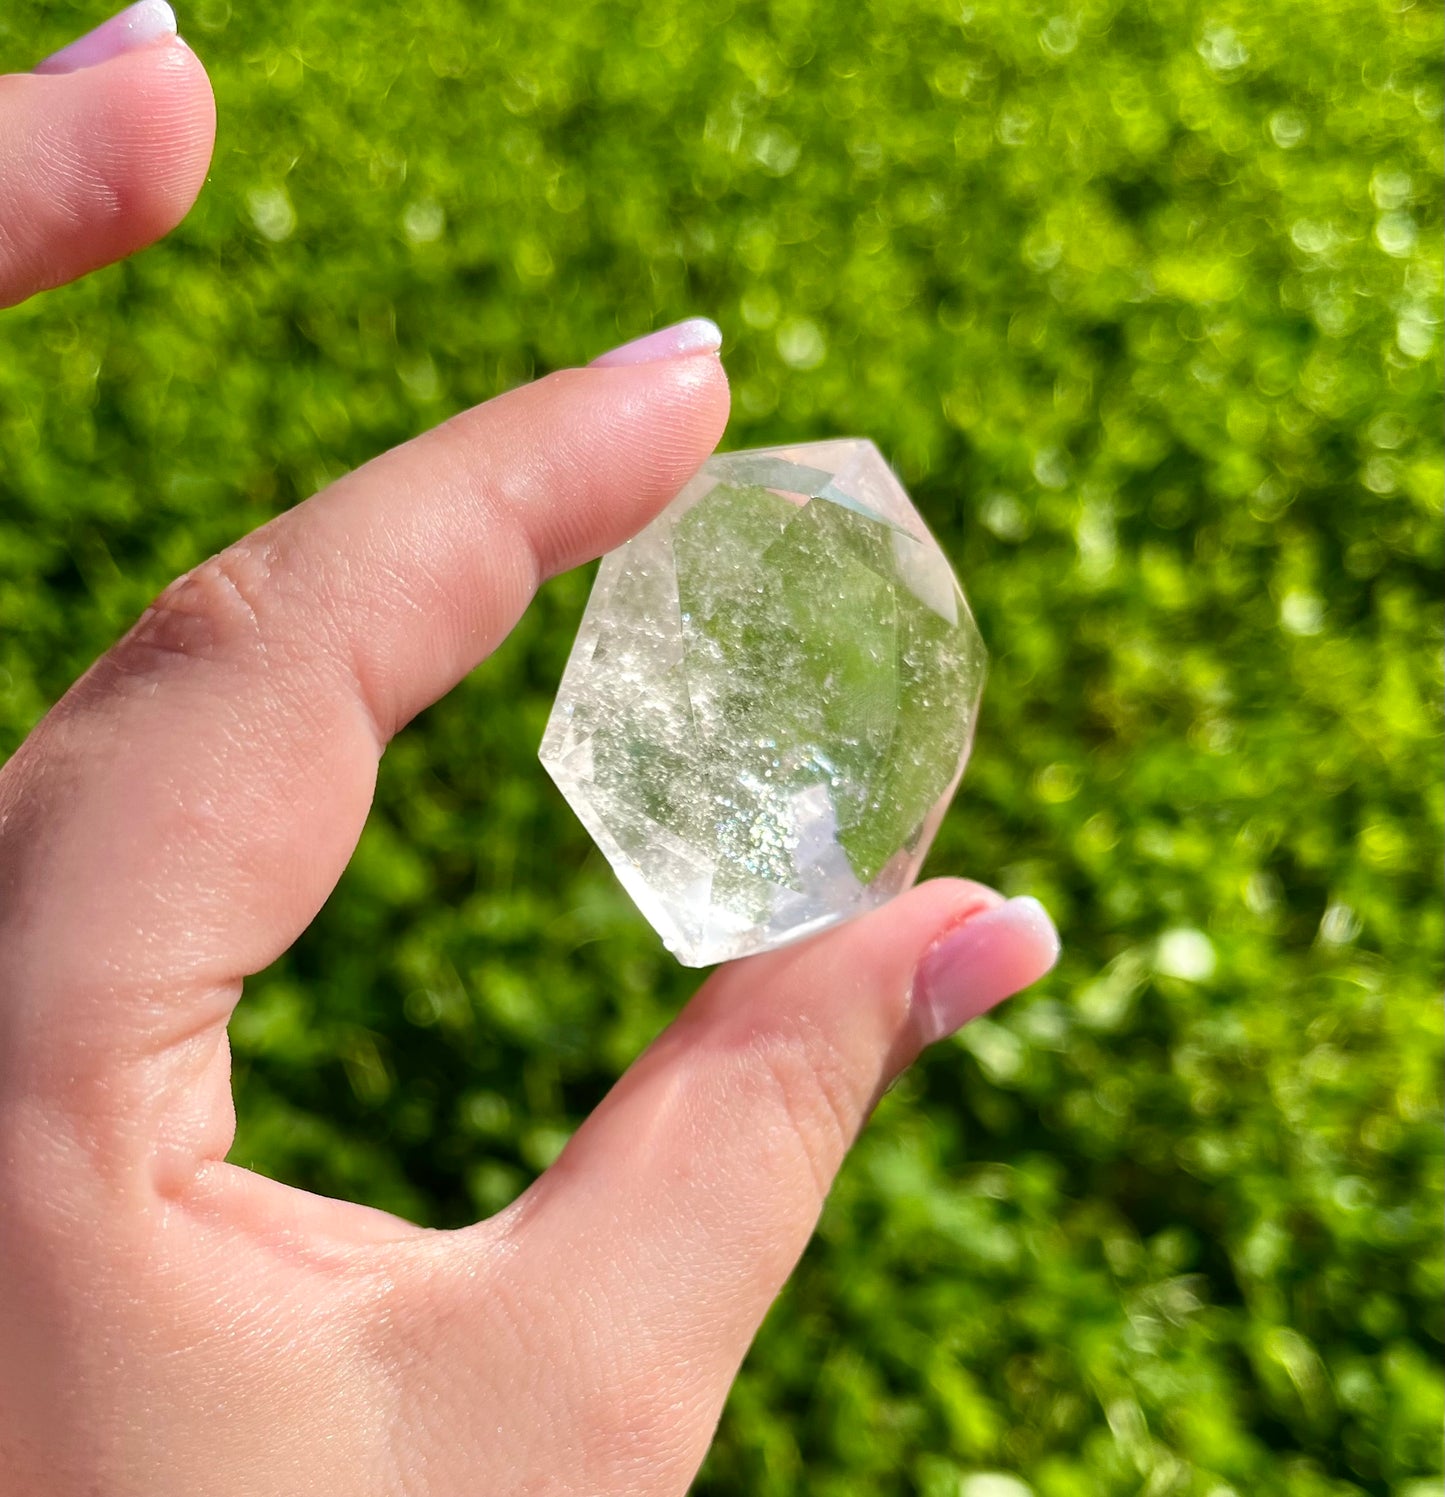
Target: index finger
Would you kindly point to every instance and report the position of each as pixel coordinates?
(180, 816)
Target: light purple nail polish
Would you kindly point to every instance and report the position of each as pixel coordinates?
(138, 25)
(980, 963)
(696, 335)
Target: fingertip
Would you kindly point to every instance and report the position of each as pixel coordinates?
(856, 981)
(705, 398)
(692, 379)
(99, 161)
(979, 961)
(884, 946)
(690, 351)
(1037, 934)
(915, 970)
(620, 441)
(165, 119)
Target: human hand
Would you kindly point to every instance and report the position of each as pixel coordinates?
(172, 1324)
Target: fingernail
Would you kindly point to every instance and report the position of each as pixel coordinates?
(980, 963)
(696, 335)
(137, 26)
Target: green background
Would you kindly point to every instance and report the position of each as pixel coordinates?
(1143, 301)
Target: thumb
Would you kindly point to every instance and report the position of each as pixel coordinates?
(692, 1190)
(103, 149)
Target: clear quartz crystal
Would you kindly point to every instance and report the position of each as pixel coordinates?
(770, 700)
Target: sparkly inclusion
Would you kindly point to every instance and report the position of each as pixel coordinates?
(770, 700)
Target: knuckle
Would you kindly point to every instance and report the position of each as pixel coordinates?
(212, 611)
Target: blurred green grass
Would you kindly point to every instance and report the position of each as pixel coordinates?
(1144, 302)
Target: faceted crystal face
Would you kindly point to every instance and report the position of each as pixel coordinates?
(770, 700)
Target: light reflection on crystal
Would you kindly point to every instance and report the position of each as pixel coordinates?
(770, 700)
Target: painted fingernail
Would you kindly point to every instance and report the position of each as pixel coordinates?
(980, 963)
(136, 26)
(696, 335)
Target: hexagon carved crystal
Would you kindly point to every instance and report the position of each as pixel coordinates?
(770, 700)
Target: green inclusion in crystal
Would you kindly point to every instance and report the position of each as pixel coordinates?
(808, 660)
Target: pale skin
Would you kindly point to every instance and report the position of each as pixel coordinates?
(173, 1324)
